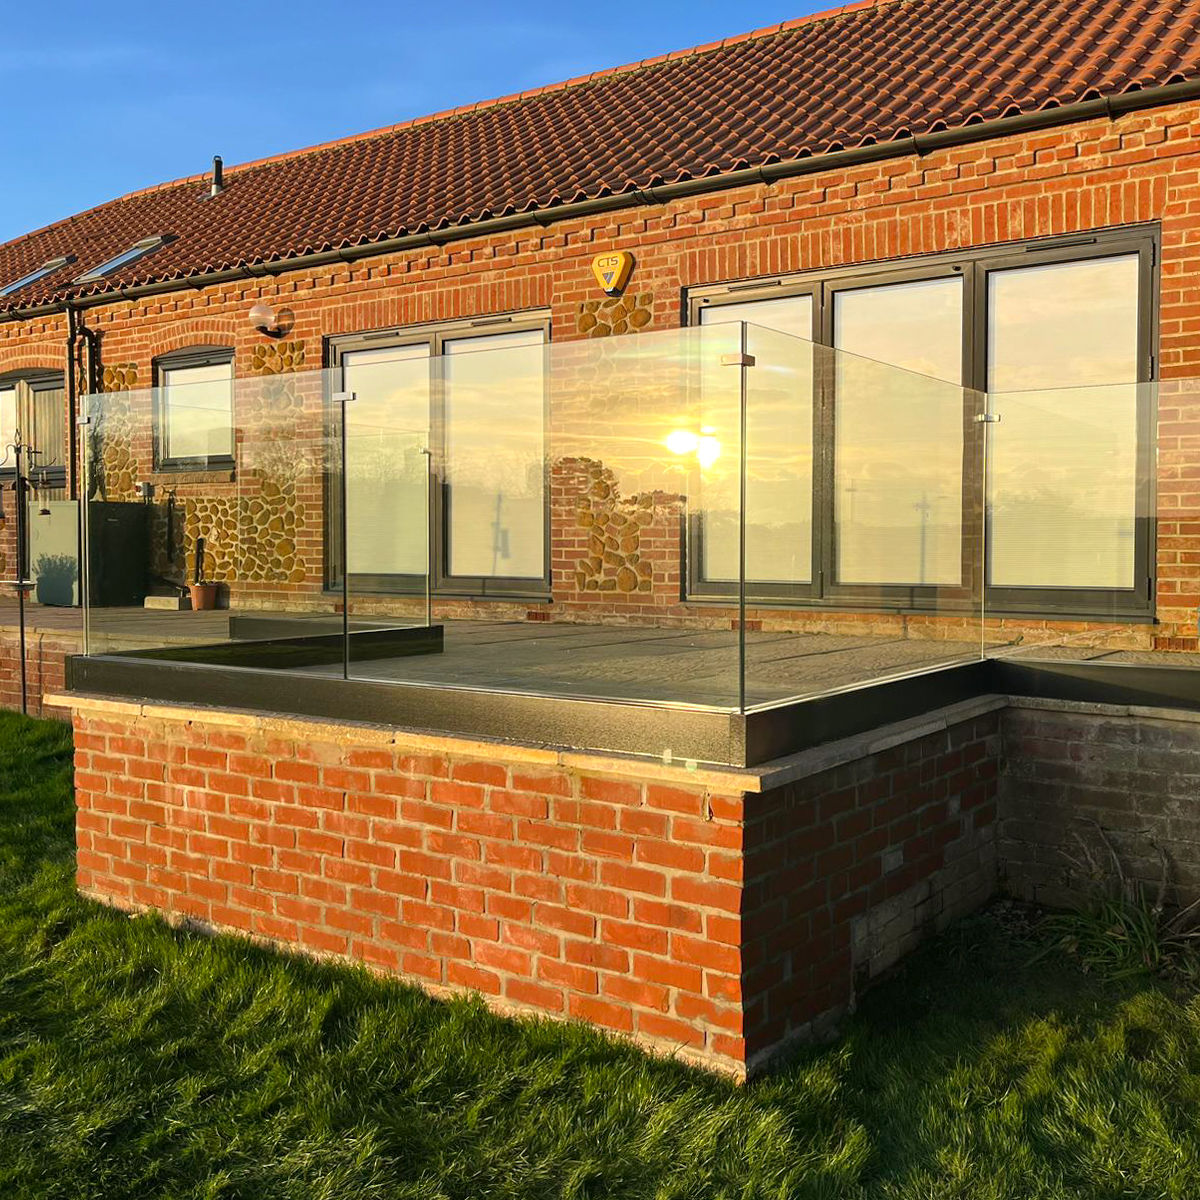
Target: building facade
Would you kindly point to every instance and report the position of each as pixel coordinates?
(998, 205)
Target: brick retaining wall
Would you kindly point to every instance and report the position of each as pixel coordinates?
(713, 913)
(45, 659)
(1068, 768)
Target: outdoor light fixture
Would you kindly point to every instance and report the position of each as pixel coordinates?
(703, 445)
(264, 318)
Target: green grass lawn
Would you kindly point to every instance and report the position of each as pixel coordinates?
(137, 1061)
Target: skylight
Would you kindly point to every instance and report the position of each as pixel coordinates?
(33, 276)
(136, 251)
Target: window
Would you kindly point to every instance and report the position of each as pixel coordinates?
(494, 423)
(8, 423)
(195, 410)
(1060, 334)
(45, 269)
(474, 396)
(779, 460)
(1063, 365)
(136, 251)
(898, 434)
(387, 427)
(35, 406)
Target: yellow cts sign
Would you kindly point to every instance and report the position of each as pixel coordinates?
(612, 270)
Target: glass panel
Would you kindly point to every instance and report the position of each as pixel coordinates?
(852, 636)
(225, 559)
(1064, 470)
(621, 489)
(779, 428)
(642, 450)
(197, 412)
(1074, 508)
(495, 416)
(391, 390)
(899, 438)
(387, 497)
(1064, 485)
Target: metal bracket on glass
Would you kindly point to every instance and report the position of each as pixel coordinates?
(737, 360)
(83, 420)
(344, 397)
(987, 418)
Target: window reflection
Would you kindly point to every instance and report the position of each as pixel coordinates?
(898, 440)
(386, 484)
(779, 459)
(198, 412)
(1063, 354)
(494, 470)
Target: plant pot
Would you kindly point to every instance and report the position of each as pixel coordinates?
(204, 596)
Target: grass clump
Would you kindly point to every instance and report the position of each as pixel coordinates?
(138, 1061)
(1120, 931)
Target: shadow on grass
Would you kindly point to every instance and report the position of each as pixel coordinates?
(140, 1061)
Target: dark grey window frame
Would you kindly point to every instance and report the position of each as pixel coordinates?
(974, 266)
(28, 384)
(193, 356)
(435, 336)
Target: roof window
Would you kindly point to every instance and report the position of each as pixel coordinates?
(136, 251)
(33, 276)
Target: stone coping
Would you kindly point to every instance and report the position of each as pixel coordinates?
(777, 773)
(770, 775)
(712, 778)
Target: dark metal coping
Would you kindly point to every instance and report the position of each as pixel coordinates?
(700, 735)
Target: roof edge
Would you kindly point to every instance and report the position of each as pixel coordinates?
(1111, 106)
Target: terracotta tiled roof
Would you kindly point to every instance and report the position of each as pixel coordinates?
(864, 73)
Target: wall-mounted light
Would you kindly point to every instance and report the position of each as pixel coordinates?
(265, 319)
(683, 442)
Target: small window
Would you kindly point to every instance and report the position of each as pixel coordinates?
(136, 251)
(45, 269)
(195, 411)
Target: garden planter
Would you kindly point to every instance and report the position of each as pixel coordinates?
(204, 595)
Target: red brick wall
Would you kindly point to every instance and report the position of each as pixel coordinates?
(569, 891)
(45, 655)
(657, 903)
(1141, 167)
(1070, 770)
(848, 868)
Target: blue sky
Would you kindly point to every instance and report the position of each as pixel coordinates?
(102, 99)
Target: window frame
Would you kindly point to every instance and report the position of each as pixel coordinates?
(125, 258)
(435, 336)
(1138, 600)
(974, 265)
(702, 299)
(182, 360)
(26, 386)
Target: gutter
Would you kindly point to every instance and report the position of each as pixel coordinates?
(1109, 107)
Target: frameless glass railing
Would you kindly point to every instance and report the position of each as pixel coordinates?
(721, 517)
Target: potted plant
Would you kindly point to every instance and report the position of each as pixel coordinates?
(201, 590)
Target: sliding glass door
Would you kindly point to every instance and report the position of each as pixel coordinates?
(779, 454)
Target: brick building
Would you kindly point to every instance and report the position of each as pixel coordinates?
(928, 214)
